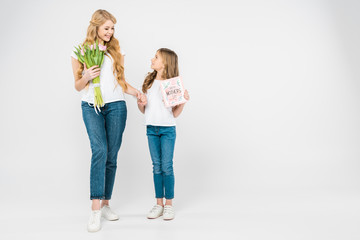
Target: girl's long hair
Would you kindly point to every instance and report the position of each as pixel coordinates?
(98, 18)
(171, 69)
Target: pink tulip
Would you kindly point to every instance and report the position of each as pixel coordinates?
(102, 47)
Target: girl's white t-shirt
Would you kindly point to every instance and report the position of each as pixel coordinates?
(156, 113)
(111, 91)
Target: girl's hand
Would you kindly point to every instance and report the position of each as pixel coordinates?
(91, 73)
(142, 101)
(186, 95)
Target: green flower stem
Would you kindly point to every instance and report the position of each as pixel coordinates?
(98, 101)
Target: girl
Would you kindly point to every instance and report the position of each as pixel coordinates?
(106, 128)
(161, 132)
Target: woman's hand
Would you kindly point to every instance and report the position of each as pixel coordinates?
(137, 94)
(91, 73)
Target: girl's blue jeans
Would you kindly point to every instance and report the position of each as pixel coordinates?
(161, 144)
(105, 131)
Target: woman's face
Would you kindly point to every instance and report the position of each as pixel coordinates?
(106, 31)
(157, 62)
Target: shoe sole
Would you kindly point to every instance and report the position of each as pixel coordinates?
(112, 219)
(92, 231)
(154, 217)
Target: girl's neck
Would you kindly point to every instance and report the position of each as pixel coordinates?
(159, 75)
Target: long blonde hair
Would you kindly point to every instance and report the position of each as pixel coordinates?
(98, 18)
(171, 69)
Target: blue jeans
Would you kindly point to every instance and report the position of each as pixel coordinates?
(105, 133)
(161, 144)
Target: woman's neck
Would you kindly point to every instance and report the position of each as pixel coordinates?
(101, 41)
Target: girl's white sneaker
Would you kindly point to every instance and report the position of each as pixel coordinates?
(108, 214)
(155, 212)
(94, 223)
(168, 213)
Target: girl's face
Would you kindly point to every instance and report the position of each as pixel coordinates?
(157, 62)
(106, 31)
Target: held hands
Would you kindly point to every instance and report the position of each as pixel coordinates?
(137, 94)
(142, 100)
(91, 73)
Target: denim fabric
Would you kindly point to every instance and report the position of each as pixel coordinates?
(105, 131)
(161, 144)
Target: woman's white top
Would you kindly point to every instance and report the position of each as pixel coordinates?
(156, 113)
(111, 91)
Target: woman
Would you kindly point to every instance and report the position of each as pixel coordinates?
(105, 127)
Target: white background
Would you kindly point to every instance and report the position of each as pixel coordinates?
(267, 147)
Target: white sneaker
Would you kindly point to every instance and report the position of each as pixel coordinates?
(94, 223)
(108, 214)
(155, 212)
(169, 213)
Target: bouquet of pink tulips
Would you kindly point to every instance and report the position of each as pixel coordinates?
(93, 55)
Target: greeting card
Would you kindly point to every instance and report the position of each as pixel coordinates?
(173, 91)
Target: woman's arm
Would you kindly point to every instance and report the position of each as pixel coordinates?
(89, 74)
(178, 108)
(132, 91)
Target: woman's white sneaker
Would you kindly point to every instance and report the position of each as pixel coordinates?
(155, 212)
(108, 214)
(94, 223)
(168, 213)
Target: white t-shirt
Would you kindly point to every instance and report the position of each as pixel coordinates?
(156, 113)
(111, 91)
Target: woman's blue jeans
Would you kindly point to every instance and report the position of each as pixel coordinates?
(161, 144)
(105, 131)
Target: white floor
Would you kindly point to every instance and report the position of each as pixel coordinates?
(288, 216)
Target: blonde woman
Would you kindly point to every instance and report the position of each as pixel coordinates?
(105, 128)
(161, 131)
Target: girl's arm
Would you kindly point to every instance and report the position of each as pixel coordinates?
(89, 74)
(141, 108)
(178, 108)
